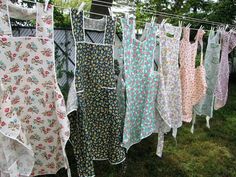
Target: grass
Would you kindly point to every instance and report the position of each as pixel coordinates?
(206, 153)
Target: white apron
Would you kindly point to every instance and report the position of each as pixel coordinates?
(34, 127)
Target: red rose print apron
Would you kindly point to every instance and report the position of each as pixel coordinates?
(34, 128)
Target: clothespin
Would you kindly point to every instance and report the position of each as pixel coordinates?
(163, 22)
(180, 23)
(111, 13)
(81, 7)
(46, 5)
(153, 20)
(201, 27)
(226, 26)
(188, 26)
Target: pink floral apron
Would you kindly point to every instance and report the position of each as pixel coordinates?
(221, 90)
(34, 128)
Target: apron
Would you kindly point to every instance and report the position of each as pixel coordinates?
(140, 82)
(33, 113)
(221, 91)
(162, 111)
(211, 63)
(96, 123)
(169, 67)
(193, 80)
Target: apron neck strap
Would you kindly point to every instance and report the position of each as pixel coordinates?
(5, 24)
(44, 21)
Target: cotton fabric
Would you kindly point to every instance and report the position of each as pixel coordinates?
(34, 126)
(221, 91)
(193, 81)
(211, 64)
(96, 129)
(141, 83)
(169, 67)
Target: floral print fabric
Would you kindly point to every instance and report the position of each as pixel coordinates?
(193, 80)
(96, 125)
(211, 63)
(5, 27)
(169, 47)
(141, 83)
(33, 111)
(221, 91)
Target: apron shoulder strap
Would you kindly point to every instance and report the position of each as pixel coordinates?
(110, 31)
(5, 25)
(44, 21)
(77, 21)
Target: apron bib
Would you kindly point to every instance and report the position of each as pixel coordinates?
(33, 109)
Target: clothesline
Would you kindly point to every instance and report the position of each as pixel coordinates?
(183, 17)
(143, 22)
(151, 12)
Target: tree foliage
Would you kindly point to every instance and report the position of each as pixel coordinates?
(220, 11)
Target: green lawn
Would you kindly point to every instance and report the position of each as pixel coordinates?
(206, 153)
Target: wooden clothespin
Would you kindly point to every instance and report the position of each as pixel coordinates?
(163, 22)
(45, 5)
(153, 20)
(111, 13)
(81, 7)
(188, 26)
(180, 24)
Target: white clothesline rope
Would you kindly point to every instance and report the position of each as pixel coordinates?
(147, 11)
(152, 12)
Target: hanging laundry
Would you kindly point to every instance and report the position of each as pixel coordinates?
(193, 80)
(16, 154)
(121, 89)
(169, 47)
(140, 82)
(211, 64)
(164, 121)
(221, 91)
(33, 113)
(162, 111)
(96, 130)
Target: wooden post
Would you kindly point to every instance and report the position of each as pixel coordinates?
(100, 9)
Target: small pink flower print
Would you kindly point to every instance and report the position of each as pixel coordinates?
(25, 59)
(5, 76)
(60, 115)
(3, 123)
(37, 89)
(14, 88)
(36, 57)
(14, 68)
(7, 109)
(4, 39)
(48, 113)
(48, 22)
(42, 171)
(14, 55)
(51, 106)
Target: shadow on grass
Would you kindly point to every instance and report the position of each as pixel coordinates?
(206, 153)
